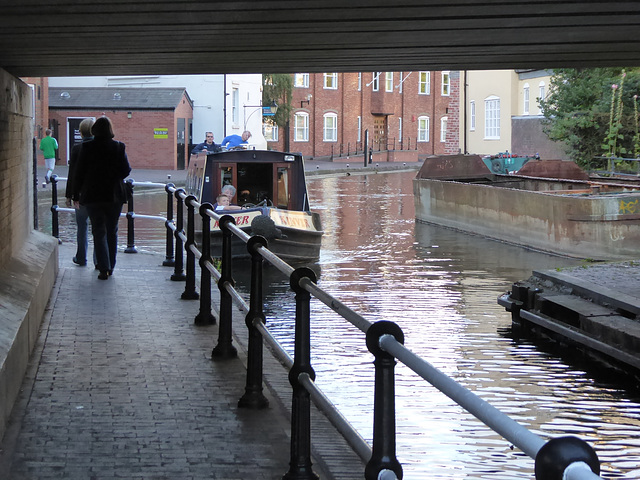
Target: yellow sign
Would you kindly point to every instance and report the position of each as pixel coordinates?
(160, 133)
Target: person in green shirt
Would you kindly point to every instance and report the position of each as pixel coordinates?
(49, 145)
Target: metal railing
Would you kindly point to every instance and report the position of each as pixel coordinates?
(614, 166)
(561, 458)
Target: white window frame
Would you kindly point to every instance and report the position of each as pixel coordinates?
(424, 128)
(359, 128)
(301, 127)
(526, 94)
(301, 80)
(443, 129)
(359, 81)
(445, 90)
(472, 115)
(330, 81)
(492, 118)
(375, 81)
(235, 106)
(274, 131)
(541, 95)
(388, 82)
(330, 127)
(424, 83)
(400, 129)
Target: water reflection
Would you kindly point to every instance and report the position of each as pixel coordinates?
(441, 287)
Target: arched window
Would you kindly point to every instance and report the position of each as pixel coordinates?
(443, 129)
(301, 127)
(330, 130)
(541, 95)
(492, 118)
(423, 129)
(525, 95)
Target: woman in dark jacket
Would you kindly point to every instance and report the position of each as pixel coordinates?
(102, 167)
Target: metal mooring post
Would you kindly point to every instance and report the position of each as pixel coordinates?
(131, 246)
(178, 271)
(253, 396)
(205, 317)
(383, 456)
(55, 225)
(169, 261)
(300, 463)
(559, 453)
(190, 285)
(225, 349)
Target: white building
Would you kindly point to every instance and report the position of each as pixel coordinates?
(222, 104)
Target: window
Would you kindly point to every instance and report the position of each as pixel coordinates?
(446, 84)
(301, 80)
(400, 129)
(424, 85)
(330, 131)
(331, 81)
(541, 96)
(235, 106)
(388, 82)
(492, 118)
(376, 81)
(443, 129)
(270, 132)
(359, 128)
(525, 94)
(423, 129)
(359, 81)
(301, 127)
(472, 115)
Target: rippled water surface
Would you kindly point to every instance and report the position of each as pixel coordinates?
(440, 286)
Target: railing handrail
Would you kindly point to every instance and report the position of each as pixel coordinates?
(388, 342)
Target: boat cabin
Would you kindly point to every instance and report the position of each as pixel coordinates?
(261, 177)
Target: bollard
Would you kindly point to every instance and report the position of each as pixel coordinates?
(383, 455)
(131, 247)
(300, 463)
(169, 261)
(225, 349)
(190, 292)
(178, 272)
(55, 224)
(253, 396)
(558, 454)
(204, 316)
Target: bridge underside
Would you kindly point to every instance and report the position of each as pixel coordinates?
(121, 37)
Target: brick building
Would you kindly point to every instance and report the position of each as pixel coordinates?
(402, 111)
(154, 123)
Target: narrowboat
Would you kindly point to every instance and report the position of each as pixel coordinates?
(548, 205)
(270, 200)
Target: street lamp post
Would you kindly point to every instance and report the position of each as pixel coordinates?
(267, 111)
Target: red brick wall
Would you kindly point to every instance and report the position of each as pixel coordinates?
(349, 103)
(144, 150)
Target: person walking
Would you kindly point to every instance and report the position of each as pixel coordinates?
(98, 185)
(49, 145)
(82, 215)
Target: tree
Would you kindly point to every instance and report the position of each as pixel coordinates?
(278, 88)
(578, 111)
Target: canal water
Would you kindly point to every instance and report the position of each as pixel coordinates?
(440, 287)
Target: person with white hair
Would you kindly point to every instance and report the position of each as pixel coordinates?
(233, 141)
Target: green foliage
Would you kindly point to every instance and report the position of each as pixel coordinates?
(278, 87)
(580, 109)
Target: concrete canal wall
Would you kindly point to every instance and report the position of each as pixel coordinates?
(593, 308)
(602, 227)
(28, 259)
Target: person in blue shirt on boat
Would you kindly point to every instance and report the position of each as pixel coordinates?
(232, 141)
(208, 146)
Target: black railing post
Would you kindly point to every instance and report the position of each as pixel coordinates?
(190, 285)
(178, 272)
(558, 453)
(253, 396)
(300, 463)
(55, 223)
(169, 260)
(225, 349)
(365, 147)
(205, 317)
(131, 245)
(383, 456)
